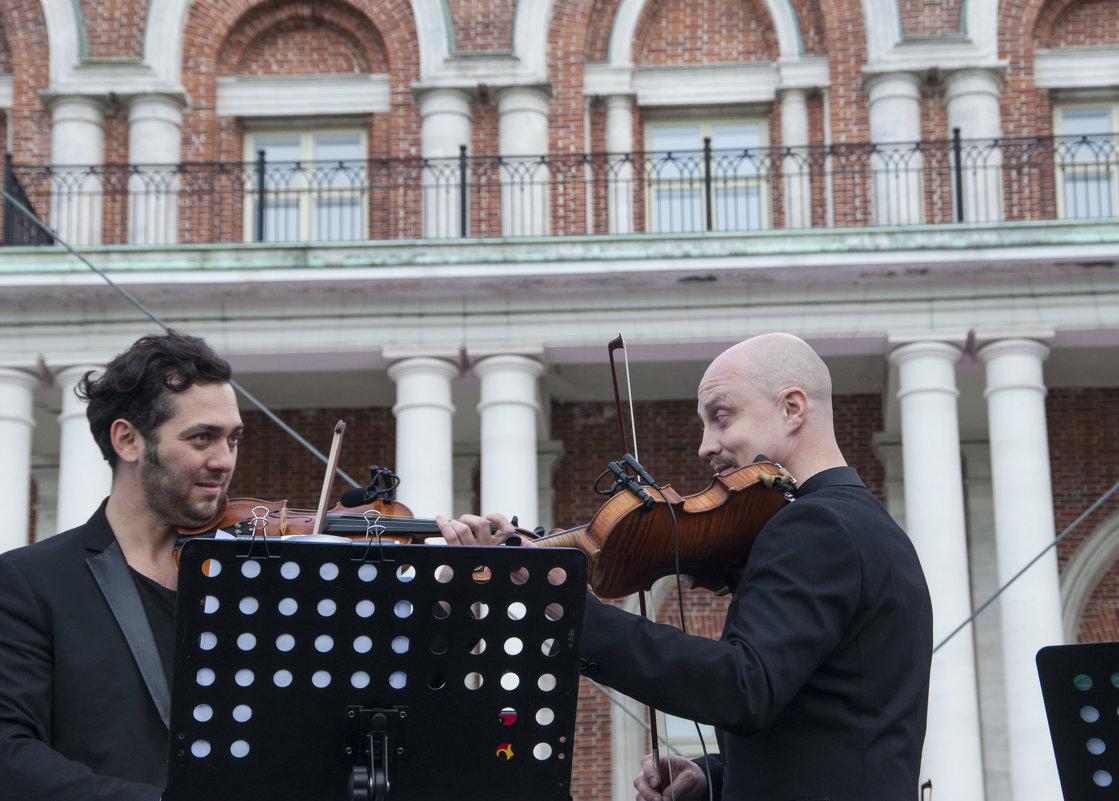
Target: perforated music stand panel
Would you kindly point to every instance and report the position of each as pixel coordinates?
(1080, 685)
(468, 655)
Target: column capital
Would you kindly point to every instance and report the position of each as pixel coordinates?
(624, 101)
(1021, 345)
(1027, 339)
(487, 364)
(19, 377)
(534, 97)
(160, 106)
(890, 83)
(71, 373)
(83, 108)
(445, 100)
(973, 80)
(430, 365)
(399, 353)
(476, 353)
(946, 345)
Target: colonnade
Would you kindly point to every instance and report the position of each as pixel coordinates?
(935, 515)
(934, 501)
(155, 133)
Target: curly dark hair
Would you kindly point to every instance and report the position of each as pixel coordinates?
(137, 385)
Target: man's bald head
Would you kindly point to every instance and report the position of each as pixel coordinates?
(774, 362)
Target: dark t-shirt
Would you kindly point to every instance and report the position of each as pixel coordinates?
(159, 603)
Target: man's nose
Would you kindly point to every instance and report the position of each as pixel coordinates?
(223, 457)
(708, 446)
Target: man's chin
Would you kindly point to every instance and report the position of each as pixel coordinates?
(200, 514)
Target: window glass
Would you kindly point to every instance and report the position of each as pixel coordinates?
(315, 187)
(680, 176)
(1086, 161)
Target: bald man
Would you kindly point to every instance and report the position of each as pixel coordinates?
(818, 686)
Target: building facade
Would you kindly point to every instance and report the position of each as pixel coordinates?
(430, 219)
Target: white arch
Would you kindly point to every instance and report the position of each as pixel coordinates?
(530, 35)
(163, 45)
(433, 29)
(163, 39)
(883, 28)
(1083, 572)
(64, 38)
(629, 14)
(981, 25)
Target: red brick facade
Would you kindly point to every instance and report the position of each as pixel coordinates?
(227, 38)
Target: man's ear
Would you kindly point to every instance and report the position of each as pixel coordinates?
(794, 406)
(127, 441)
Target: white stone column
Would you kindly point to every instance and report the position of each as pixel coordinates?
(934, 512)
(154, 146)
(973, 107)
(1030, 608)
(895, 126)
(84, 477)
(795, 166)
(522, 140)
(17, 395)
(508, 410)
(424, 441)
(77, 144)
(447, 124)
(620, 173)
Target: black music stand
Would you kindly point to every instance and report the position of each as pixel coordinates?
(1080, 685)
(312, 671)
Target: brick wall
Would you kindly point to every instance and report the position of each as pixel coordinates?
(1086, 24)
(115, 28)
(708, 32)
(1084, 461)
(930, 17)
(482, 26)
(25, 31)
(272, 465)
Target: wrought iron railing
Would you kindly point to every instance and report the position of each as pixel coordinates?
(20, 220)
(840, 185)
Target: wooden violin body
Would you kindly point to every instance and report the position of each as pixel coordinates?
(630, 545)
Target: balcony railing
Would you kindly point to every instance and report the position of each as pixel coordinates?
(842, 185)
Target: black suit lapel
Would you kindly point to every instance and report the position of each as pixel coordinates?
(111, 573)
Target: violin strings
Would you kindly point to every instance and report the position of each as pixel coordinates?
(26, 212)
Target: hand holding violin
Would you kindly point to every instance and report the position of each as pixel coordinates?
(493, 529)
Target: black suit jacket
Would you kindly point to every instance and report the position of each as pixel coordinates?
(84, 701)
(818, 688)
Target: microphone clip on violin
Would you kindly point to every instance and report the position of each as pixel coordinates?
(624, 480)
(382, 487)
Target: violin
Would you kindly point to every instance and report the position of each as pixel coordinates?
(636, 538)
(379, 520)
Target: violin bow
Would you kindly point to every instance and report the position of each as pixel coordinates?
(619, 344)
(328, 479)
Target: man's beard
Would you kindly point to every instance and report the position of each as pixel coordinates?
(165, 493)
